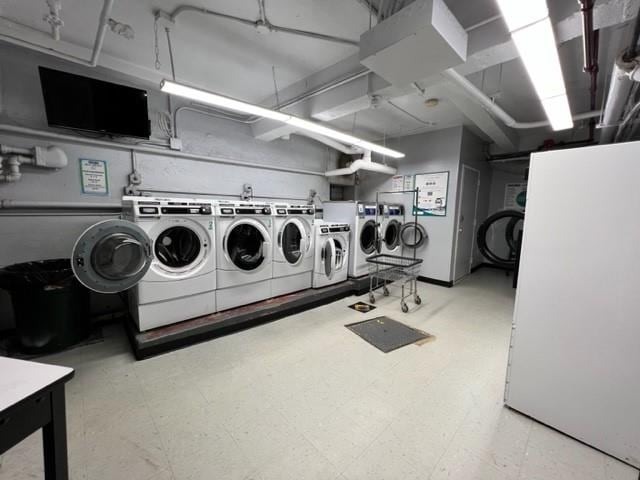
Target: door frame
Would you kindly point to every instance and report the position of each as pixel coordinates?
(457, 222)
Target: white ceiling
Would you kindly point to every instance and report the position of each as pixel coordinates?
(237, 60)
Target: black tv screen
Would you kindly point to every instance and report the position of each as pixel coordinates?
(82, 103)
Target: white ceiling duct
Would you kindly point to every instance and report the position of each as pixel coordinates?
(364, 163)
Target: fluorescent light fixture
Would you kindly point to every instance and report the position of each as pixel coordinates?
(558, 113)
(209, 98)
(220, 101)
(518, 14)
(532, 32)
(537, 48)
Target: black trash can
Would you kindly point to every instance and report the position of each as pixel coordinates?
(51, 308)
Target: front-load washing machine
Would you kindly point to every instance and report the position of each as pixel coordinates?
(365, 238)
(164, 248)
(245, 251)
(331, 253)
(293, 248)
(391, 221)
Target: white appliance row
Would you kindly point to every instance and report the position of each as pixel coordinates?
(184, 258)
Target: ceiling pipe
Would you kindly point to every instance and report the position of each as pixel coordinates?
(617, 97)
(261, 23)
(489, 105)
(53, 18)
(590, 44)
(364, 163)
(97, 46)
(331, 143)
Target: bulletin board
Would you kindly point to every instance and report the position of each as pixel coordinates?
(432, 194)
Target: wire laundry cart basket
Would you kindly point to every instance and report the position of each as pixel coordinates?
(385, 269)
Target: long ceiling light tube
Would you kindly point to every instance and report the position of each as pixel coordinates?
(202, 96)
(532, 32)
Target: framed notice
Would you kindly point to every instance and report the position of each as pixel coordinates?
(397, 183)
(515, 196)
(93, 177)
(432, 194)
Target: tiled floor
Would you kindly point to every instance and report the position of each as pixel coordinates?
(304, 398)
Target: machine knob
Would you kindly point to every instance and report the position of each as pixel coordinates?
(310, 211)
(266, 211)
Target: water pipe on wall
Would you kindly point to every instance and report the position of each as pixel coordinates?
(13, 157)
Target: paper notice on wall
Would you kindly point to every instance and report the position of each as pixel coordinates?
(432, 195)
(397, 183)
(93, 177)
(408, 182)
(515, 196)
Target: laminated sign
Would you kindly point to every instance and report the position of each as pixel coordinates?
(432, 194)
(93, 177)
(515, 196)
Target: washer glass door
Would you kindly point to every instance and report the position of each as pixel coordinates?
(340, 249)
(111, 256)
(368, 237)
(246, 245)
(328, 257)
(293, 241)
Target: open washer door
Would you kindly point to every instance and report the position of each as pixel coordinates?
(111, 256)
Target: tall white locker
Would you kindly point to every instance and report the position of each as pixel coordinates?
(574, 362)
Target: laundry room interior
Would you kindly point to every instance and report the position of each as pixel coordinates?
(319, 239)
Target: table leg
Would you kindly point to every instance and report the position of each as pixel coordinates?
(54, 438)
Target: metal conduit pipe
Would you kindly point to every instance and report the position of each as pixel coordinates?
(97, 46)
(30, 132)
(617, 96)
(262, 22)
(478, 95)
(28, 204)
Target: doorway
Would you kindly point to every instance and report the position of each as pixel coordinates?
(466, 222)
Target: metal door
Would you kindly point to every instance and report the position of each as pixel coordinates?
(465, 243)
(111, 256)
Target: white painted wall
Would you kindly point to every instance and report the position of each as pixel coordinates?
(41, 235)
(430, 152)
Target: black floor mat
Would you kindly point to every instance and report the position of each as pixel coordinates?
(386, 334)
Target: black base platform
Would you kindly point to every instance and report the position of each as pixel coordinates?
(163, 339)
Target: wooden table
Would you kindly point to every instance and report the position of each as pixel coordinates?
(32, 397)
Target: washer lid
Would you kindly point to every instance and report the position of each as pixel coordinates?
(111, 256)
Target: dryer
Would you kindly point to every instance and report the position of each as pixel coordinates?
(331, 253)
(365, 239)
(163, 250)
(391, 220)
(293, 248)
(244, 253)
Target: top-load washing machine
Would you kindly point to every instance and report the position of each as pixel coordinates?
(293, 248)
(164, 248)
(391, 221)
(245, 251)
(365, 238)
(331, 253)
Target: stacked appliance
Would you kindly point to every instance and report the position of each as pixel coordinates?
(331, 253)
(365, 240)
(164, 248)
(244, 247)
(391, 221)
(293, 248)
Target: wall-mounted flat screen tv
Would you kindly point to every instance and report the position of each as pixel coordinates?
(82, 103)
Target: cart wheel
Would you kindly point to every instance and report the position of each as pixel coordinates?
(372, 299)
(405, 307)
(417, 300)
(385, 291)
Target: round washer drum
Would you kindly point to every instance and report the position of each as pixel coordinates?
(293, 241)
(111, 256)
(177, 247)
(392, 234)
(245, 246)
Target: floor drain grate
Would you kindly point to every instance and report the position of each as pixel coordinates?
(387, 334)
